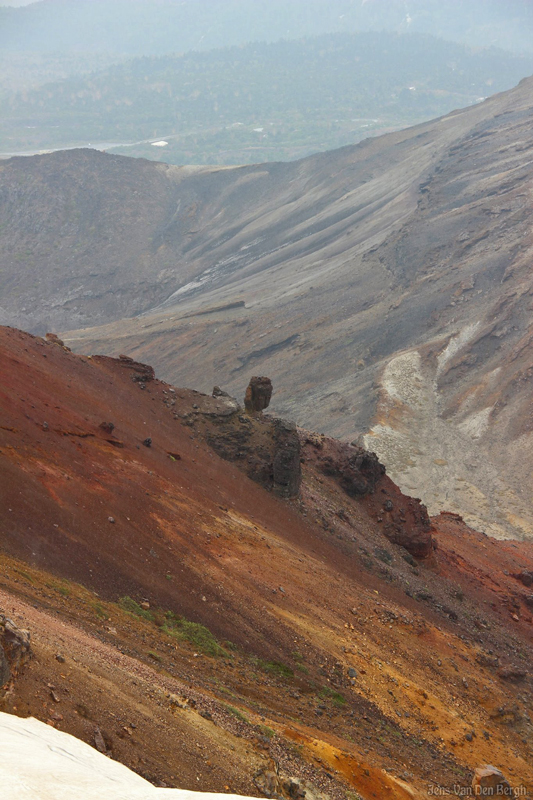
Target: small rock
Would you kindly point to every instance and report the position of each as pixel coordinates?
(54, 696)
(388, 505)
(512, 674)
(14, 651)
(60, 658)
(108, 427)
(45, 426)
(147, 442)
(145, 605)
(111, 519)
(524, 577)
(99, 742)
(218, 392)
(54, 339)
(352, 673)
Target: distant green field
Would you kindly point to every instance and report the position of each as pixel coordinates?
(260, 102)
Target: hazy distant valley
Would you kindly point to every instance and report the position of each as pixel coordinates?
(153, 79)
(259, 102)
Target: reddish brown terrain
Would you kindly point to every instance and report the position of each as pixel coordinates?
(342, 638)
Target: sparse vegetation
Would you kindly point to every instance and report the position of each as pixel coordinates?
(155, 656)
(297, 656)
(24, 575)
(132, 607)
(330, 694)
(237, 713)
(176, 626)
(193, 632)
(62, 588)
(275, 668)
(99, 610)
(351, 795)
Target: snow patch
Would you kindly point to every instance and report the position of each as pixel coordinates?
(41, 763)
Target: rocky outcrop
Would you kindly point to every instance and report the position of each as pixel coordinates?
(258, 395)
(264, 448)
(362, 477)
(141, 373)
(267, 450)
(406, 523)
(225, 405)
(53, 338)
(14, 651)
(357, 470)
(272, 783)
(512, 673)
(489, 781)
(286, 470)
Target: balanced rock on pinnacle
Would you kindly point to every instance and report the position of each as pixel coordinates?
(258, 395)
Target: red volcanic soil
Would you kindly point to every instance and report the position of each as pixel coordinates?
(377, 672)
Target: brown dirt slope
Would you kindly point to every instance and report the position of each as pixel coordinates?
(320, 645)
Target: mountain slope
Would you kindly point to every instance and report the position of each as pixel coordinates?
(349, 664)
(321, 273)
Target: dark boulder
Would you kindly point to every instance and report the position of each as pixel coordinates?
(258, 395)
(525, 577)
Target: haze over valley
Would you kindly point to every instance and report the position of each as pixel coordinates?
(246, 82)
